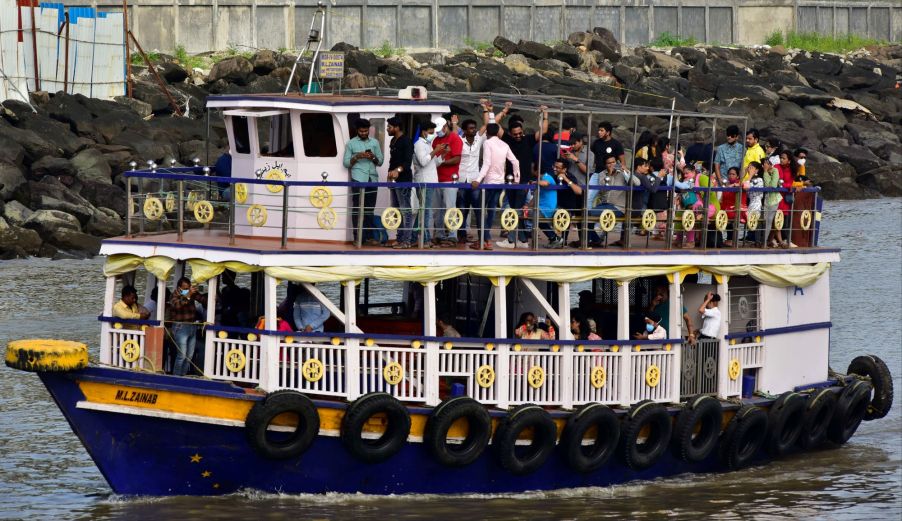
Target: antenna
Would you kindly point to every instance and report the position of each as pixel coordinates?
(313, 36)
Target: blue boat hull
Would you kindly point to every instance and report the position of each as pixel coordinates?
(145, 455)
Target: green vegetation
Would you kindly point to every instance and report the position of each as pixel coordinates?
(478, 46)
(387, 51)
(820, 42)
(672, 40)
(137, 59)
(186, 60)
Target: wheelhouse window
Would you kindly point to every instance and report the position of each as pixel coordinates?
(241, 135)
(318, 133)
(274, 136)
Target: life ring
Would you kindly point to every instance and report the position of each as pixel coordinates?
(46, 356)
(203, 212)
(524, 459)
(688, 220)
(356, 418)
(870, 366)
(649, 220)
(443, 417)
(651, 420)
(593, 417)
(561, 220)
(697, 429)
(262, 414)
(721, 220)
(454, 219)
(786, 419)
(743, 437)
(240, 193)
(153, 209)
(509, 219)
(391, 218)
(778, 221)
(752, 220)
(607, 220)
(851, 408)
(818, 413)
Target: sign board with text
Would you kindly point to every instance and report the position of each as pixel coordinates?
(332, 65)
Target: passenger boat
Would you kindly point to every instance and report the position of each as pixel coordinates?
(381, 401)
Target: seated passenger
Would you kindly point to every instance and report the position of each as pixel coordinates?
(310, 314)
(710, 316)
(653, 328)
(614, 200)
(581, 328)
(128, 307)
(528, 328)
(445, 328)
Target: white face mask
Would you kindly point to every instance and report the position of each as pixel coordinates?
(430, 138)
(440, 133)
(801, 162)
(774, 160)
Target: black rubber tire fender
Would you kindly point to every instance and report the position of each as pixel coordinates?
(786, 419)
(524, 459)
(640, 456)
(697, 429)
(392, 440)
(743, 436)
(479, 431)
(262, 414)
(873, 367)
(851, 408)
(589, 458)
(818, 412)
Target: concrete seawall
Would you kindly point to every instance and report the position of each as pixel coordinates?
(203, 25)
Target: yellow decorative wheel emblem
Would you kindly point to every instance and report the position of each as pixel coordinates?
(193, 197)
(171, 202)
(535, 376)
(153, 208)
(240, 193)
(117, 325)
(509, 219)
(274, 175)
(778, 220)
(393, 373)
(391, 218)
(203, 212)
(454, 219)
(256, 215)
(805, 220)
(485, 376)
(320, 197)
(752, 220)
(235, 361)
(561, 220)
(598, 377)
(688, 220)
(734, 369)
(326, 218)
(721, 220)
(222, 334)
(649, 220)
(652, 376)
(130, 351)
(313, 370)
(607, 220)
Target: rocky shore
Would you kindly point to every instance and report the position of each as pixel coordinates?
(61, 189)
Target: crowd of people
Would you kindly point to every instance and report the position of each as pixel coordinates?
(563, 169)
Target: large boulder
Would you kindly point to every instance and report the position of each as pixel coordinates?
(519, 64)
(105, 223)
(59, 135)
(171, 72)
(35, 146)
(566, 53)
(264, 62)
(53, 166)
(105, 195)
(861, 159)
(139, 107)
(363, 62)
(790, 111)
(504, 45)
(21, 242)
(46, 221)
(606, 44)
(534, 50)
(81, 212)
(151, 94)
(731, 90)
(804, 95)
(91, 165)
(871, 134)
(68, 109)
(10, 151)
(663, 61)
(837, 181)
(68, 239)
(11, 178)
(236, 69)
(16, 213)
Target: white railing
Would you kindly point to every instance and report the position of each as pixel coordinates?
(535, 377)
(596, 377)
(739, 358)
(313, 368)
(475, 363)
(399, 371)
(127, 338)
(699, 366)
(234, 360)
(654, 375)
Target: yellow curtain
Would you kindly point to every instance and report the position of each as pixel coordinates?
(203, 270)
(777, 275)
(120, 264)
(319, 274)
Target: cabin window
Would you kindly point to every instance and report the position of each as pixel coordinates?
(318, 134)
(745, 313)
(241, 134)
(274, 136)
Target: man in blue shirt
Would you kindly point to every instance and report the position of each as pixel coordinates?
(309, 313)
(544, 160)
(362, 156)
(548, 201)
(728, 154)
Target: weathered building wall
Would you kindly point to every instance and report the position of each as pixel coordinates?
(202, 25)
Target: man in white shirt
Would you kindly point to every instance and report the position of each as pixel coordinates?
(425, 170)
(710, 316)
(468, 199)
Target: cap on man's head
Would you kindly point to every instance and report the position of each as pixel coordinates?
(440, 122)
(394, 121)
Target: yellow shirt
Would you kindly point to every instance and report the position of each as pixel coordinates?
(755, 153)
(122, 310)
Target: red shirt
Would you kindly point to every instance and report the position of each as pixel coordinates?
(456, 148)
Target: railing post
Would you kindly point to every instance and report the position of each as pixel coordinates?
(129, 213)
(676, 373)
(208, 334)
(737, 219)
(284, 244)
(623, 331)
(563, 295)
(723, 344)
(269, 344)
(360, 207)
(106, 355)
(421, 211)
(792, 207)
(502, 369)
(482, 219)
(352, 345)
(708, 189)
(232, 215)
(535, 210)
(432, 348)
(181, 189)
(586, 202)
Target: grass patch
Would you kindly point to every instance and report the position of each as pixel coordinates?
(478, 46)
(387, 51)
(819, 42)
(137, 59)
(672, 40)
(186, 60)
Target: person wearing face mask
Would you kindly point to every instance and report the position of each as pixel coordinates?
(653, 328)
(183, 315)
(425, 164)
(450, 147)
